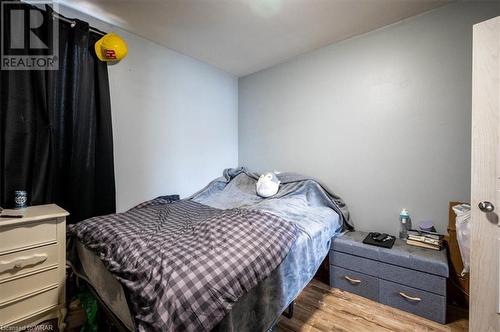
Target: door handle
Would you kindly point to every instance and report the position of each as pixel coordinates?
(486, 206)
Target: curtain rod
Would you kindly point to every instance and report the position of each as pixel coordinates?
(73, 23)
(56, 15)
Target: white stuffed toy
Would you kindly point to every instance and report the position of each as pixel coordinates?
(268, 185)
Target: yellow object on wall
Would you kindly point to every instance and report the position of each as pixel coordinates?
(111, 47)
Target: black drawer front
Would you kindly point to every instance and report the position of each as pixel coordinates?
(354, 282)
(413, 300)
(355, 263)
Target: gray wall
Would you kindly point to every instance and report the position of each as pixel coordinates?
(383, 119)
(175, 120)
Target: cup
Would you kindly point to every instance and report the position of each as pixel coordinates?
(20, 199)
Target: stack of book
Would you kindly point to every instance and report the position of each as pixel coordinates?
(425, 239)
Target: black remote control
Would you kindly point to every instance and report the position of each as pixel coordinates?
(380, 237)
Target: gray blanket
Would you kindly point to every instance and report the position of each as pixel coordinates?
(299, 197)
(184, 264)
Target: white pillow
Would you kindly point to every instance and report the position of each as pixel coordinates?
(267, 185)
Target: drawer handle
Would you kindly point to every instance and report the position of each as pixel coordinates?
(411, 298)
(22, 262)
(351, 280)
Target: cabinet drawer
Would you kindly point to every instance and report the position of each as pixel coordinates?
(12, 311)
(413, 300)
(23, 262)
(412, 278)
(354, 282)
(355, 263)
(27, 235)
(18, 287)
(408, 277)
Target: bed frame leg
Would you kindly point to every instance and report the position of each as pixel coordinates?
(288, 313)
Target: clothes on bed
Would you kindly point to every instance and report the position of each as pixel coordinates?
(185, 264)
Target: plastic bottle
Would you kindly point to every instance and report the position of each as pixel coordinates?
(404, 219)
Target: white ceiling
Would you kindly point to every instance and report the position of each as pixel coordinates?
(245, 36)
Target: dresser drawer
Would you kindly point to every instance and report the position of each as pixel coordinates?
(27, 235)
(23, 262)
(412, 278)
(20, 286)
(413, 300)
(12, 311)
(354, 282)
(355, 263)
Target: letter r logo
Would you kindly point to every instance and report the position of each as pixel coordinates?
(29, 35)
(17, 26)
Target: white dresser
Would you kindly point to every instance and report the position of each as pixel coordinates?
(32, 267)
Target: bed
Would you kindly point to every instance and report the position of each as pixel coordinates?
(316, 214)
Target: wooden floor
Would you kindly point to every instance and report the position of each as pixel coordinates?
(321, 308)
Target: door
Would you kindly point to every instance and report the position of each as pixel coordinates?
(485, 178)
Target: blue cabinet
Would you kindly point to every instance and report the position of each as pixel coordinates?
(405, 277)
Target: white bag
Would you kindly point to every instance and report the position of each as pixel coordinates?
(462, 223)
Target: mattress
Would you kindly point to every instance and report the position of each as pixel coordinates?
(109, 289)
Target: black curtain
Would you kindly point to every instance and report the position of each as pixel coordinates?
(55, 129)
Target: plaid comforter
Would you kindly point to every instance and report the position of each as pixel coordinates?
(184, 264)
